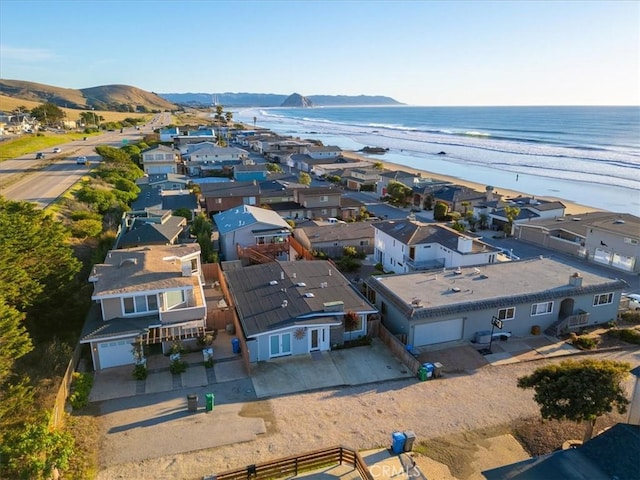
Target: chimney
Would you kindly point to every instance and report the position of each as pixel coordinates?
(281, 275)
(465, 244)
(575, 280)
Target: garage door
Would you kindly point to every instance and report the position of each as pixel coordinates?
(437, 332)
(116, 353)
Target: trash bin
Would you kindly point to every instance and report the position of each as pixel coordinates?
(192, 402)
(429, 368)
(483, 336)
(422, 374)
(437, 370)
(208, 401)
(235, 343)
(397, 442)
(410, 437)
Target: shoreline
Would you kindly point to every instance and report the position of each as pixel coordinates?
(571, 208)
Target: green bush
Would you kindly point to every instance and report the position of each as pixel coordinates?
(586, 343)
(140, 372)
(86, 228)
(177, 367)
(80, 389)
(85, 215)
(628, 335)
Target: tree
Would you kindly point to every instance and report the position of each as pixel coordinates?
(304, 178)
(14, 339)
(48, 114)
(273, 167)
(511, 213)
(579, 391)
(398, 191)
(378, 165)
(440, 211)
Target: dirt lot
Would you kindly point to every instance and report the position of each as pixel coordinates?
(461, 421)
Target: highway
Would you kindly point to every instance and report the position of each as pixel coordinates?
(43, 181)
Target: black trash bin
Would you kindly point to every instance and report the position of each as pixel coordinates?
(192, 402)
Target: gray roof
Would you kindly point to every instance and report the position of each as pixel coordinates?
(142, 269)
(260, 304)
(229, 189)
(175, 199)
(244, 215)
(411, 232)
(258, 167)
(96, 329)
(605, 457)
(149, 196)
(147, 233)
(579, 224)
(497, 285)
(338, 231)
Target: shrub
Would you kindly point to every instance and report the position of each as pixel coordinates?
(177, 367)
(80, 388)
(586, 343)
(140, 372)
(86, 228)
(631, 316)
(628, 335)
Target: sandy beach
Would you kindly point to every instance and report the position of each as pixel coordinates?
(571, 208)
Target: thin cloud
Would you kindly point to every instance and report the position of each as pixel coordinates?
(27, 55)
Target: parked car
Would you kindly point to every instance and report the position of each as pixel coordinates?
(634, 300)
(39, 156)
(81, 160)
(57, 150)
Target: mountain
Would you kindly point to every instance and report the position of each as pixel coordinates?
(120, 98)
(297, 100)
(229, 99)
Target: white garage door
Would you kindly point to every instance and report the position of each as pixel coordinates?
(116, 353)
(437, 332)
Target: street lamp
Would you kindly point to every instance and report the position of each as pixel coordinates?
(95, 118)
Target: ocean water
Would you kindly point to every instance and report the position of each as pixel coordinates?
(587, 155)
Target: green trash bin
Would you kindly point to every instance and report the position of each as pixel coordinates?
(422, 374)
(209, 401)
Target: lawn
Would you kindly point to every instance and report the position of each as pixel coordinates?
(31, 143)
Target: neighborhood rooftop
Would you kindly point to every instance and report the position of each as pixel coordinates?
(494, 285)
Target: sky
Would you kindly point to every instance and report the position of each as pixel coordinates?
(444, 53)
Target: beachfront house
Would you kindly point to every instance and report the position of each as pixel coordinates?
(605, 238)
(149, 227)
(361, 178)
(522, 297)
(258, 229)
(296, 308)
(147, 295)
(402, 246)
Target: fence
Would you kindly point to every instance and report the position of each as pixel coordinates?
(301, 252)
(292, 466)
(58, 411)
(394, 345)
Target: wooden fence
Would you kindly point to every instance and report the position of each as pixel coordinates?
(396, 347)
(296, 464)
(301, 251)
(58, 411)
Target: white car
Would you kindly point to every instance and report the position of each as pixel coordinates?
(634, 300)
(81, 160)
(57, 150)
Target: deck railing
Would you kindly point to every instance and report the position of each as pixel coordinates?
(297, 464)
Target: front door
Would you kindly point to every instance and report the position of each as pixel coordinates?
(315, 336)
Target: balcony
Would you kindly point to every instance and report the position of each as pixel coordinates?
(414, 265)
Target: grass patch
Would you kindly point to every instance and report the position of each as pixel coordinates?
(85, 429)
(32, 142)
(260, 409)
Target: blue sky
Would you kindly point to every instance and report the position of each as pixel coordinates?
(418, 52)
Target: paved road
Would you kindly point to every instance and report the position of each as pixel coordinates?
(43, 181)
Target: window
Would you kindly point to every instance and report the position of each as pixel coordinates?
(173, 298)
(507, 313)
(541, 308)
(324, 198)
(603, 299)
(140, 304)
(364, 243)
(218, 200)
(194, 265)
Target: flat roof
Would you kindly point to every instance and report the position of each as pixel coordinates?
(500, 284)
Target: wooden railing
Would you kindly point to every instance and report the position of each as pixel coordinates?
(296, 464)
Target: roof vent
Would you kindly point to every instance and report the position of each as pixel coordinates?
(284, 304)
(128, 261)
(455, 289)
(416, 302)
(273, 282)
(309, 295)
(619, 221)
(301, 284)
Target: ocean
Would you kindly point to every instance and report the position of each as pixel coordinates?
(586, 155)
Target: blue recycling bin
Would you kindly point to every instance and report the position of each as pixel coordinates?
(429, 368)
(397, 442)
(235, 343)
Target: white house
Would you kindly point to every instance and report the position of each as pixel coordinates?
(408, 245)
(159, 159)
